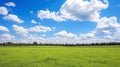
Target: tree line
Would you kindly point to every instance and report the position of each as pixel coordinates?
(48, 44)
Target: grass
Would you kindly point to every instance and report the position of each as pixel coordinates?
(60, 56)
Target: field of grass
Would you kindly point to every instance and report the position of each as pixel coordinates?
(60, 56)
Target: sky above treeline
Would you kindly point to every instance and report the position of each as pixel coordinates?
(59, 21)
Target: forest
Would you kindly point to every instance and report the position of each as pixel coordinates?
(49, 44)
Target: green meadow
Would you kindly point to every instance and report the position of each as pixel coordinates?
(60, 56)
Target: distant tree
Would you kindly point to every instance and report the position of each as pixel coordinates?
(34, 43)
(9, 43)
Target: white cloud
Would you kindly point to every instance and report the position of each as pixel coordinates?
(65, 34)
(87, 36)
(33, 22)
(30, 38)
(3, 11)
(20, 30)
(13, 17)
(26, 31)
(117, 34)
(107, 29)
(76, 10)
(49, 15)
(108, 37)
(10, 4)
(27, 36)
(82, 10)
(7, 37)
(107, 25)
(39, 28)
(65, 39)
(3, 28)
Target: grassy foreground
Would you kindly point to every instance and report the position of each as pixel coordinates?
(60, 56)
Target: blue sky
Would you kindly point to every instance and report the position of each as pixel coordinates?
(59, 21)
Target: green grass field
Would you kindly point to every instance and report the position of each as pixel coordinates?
(60, 56)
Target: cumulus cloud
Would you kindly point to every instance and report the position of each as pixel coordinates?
(13, 17)
(76, 10)
(64, 40)
(46, 14)
(20, 30)
(33, 22)
(39, 28)
(117, 34)
(87, 36)
(3, 10)
(29, 35)
(7, 37)
(108, 37)
(107, 25)
(10, 4)
(64, 37)
(107, 29)
(82, 10)
(4, 29)
(65, 34)
(26, 31)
